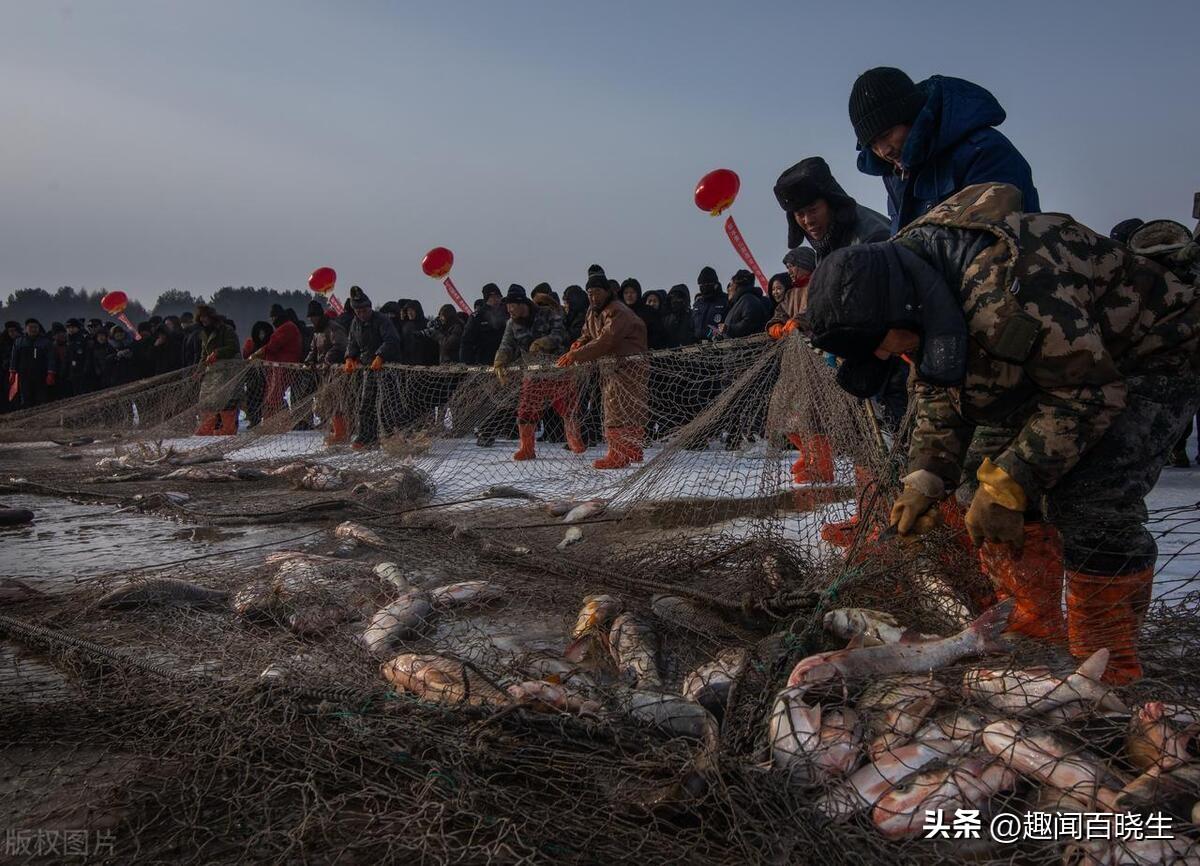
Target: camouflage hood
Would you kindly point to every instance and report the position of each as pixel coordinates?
(994, 208)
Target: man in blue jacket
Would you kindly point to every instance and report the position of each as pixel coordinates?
(931, 140)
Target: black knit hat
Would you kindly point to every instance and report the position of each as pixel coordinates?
(315, 309)
(707, 277)
(881, 98)
(742, 279)
(74, 323)
(491, 289)
(360, 301)
(516, 294)
(276, 312)
(630, 282)
(595, 269)
(804, 258)
(597, 281)
(542, 289)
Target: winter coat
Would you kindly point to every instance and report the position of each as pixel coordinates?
(286, 344)
(376, 336)
(575, 307)
(215, 387)
(708, 312)
(953, 144)
(33, 357)
(448, 338)
(192, 338)
(74, 371)
(656, 331)
(679, 328)
(328, 344)
(792, 307)
(543, 323)
(1058, 319)
(613, 334)
(98, 372)
(748, 314)
(168, 356)
(482, 335)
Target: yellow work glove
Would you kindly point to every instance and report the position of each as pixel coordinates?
(997, 512)
(501, 374)
(544, 345)
(377, 364)
(915, 511)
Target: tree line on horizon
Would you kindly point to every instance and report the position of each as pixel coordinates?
(243, 304)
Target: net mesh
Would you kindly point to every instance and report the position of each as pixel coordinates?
(435, 665)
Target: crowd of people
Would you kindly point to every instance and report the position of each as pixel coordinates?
(1052, 371)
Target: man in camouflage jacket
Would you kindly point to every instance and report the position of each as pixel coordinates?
(1086, 352)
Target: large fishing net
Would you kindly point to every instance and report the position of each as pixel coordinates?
(460, 657)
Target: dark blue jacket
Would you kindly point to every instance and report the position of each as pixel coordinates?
(708, 312)
(749, 313)
(952, 145)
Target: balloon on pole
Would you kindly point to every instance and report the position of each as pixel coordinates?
(437, 264)
(715, 194)
(114, 304)
(322, 281)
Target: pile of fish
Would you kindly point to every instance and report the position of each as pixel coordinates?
(885, 734)
(612, 665)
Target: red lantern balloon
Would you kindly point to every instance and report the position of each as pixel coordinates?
(321, 280)
(114, 303)
(717, 190)
(437, 262)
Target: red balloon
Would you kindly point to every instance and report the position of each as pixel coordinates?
(717, 190)
(321, 280)
(114, 302)
(437, 262)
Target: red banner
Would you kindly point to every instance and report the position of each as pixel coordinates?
(455, 296)
(739, 244)
(124, 320)
(335, 304)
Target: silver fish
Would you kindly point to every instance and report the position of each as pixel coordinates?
(978, 638)
(969, 783)
(163, 590)
(635, 649)
(1048, 759)
(895, 707)
(558, 507)
(504, 491)
(359, 533)
(937, 594)
(812, 742)
(441, 680)
(1034, 692)
(875, 627)
(316, 619)
(1159, 735)
(673, 714)
(1174, 787)
(466, 594)
(956, 725)
(200, 474)
(584, 510)
(711, 684)
(553, 696)
(864, 788)
(406, 619)
(590, 634)
(321, 478)
(295, 468)
(257, 600)
(394, 575)
(686, 613)
(573, 535)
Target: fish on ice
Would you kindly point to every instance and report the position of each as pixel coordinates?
(589, 637)
(163, 591)
(358, 532)
(466, 594)
(441, 680)
(711, 684)
(1035, 692)
(979, 638)
(874, 627)
(635, 648)
(585, 510)
(810, 741)
(967, 783)
(573, 535)
(407, 618)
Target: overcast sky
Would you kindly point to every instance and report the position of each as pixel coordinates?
(150, 145)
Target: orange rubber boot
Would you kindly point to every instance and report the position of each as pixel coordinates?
(338, 432)
(1034, 580)
(208, 425)
(815, 464)
(633, 443)
(801, 458)
(1106, 611)
(525, 452)
(574, 439)
(229, 423)
(619, 455)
